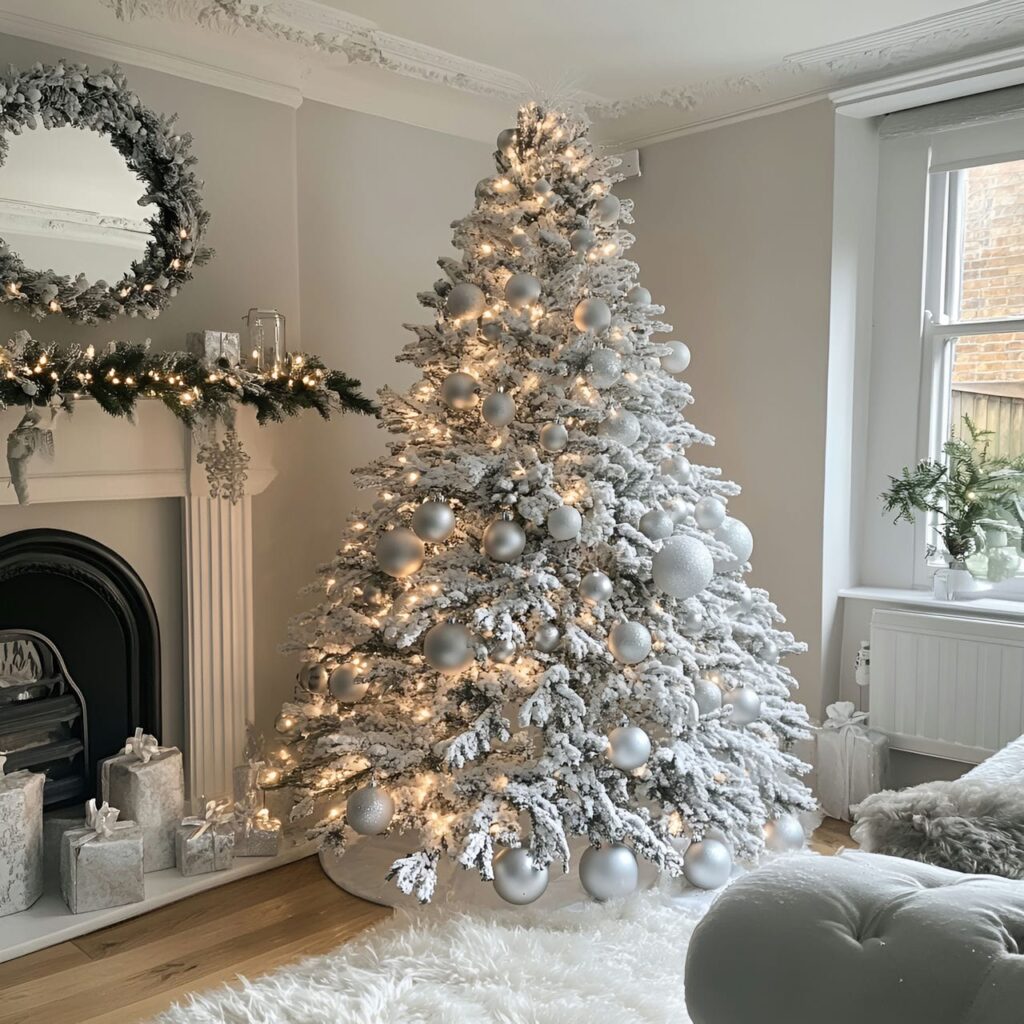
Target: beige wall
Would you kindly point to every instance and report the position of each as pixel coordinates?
(734, 233)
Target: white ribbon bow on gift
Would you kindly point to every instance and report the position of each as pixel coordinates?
(103, 822)
(216, 812)
(141, 746)
(844, 715)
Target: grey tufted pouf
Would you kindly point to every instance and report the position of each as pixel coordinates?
(859, 938)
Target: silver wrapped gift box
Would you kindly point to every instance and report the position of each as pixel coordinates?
(853, 760)
(147, 782)
(256, 834)
(101, 863)
(21, 839)
(206, 842)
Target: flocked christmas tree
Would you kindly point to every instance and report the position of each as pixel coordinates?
(541, 629)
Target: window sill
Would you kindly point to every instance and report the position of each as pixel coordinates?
(989, 607)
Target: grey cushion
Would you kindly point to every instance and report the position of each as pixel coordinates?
(859, 938)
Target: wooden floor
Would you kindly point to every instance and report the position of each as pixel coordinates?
(131, 971)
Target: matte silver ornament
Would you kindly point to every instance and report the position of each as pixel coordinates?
(656, 524)
(638, 295)
(707, 694)
(499, 409)
(522, 289)
(677, 467)
(433, 521)
(679, 509)
(592, 315)
(768, 652)
(347, 685)
(629, 642)
(683, 567)
(314, 677)
(502, 652)
(547, 638)
(582, 239)
(369, 810)
(399, 552)
(596, 588)
(606, 210)
(678, 359)
(507, 141)
(620, 425)
(738, 538)
(564, 523)
(709, 513)
(458, 390)
(605, 368)
(465, 301)
(517, 879)
(629, 747)
(784, 834)
(448, 647)
(504, 539)
(609, 872)
(491, 330)
(553, 437)
(708, 864)
(745, 704)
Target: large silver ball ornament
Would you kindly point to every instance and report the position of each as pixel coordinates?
(708, 864)
(458, 390)
(502, 652)
(582, 239)
(521, 290)
(465, 301)
(596, 588)
(564, 523)
(677, 467)
(629, 642)
(709, 513)
(656, 524)
(491, 330)
(592, 315)
(346, 684)
(606, 210)
(609, 872)
(676, 360)
(738, 538)
(315, 677)
(683, 567)
(638, 295)
(620, 425)
(629, 747)
(499, 410)
(553, 437)
(517, 879)
(605, 368)
(707, 694)
(433, 521)
(369, 810)
(504, 540)
(399, 552)
(547, 638)
(507, 140)
(448, 647)
(784, 834)
(745, 704)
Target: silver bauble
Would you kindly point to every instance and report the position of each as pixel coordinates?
(679, 509)
(768, 652)
(507, 141)
(502, 652)
(656, 524)
(542, 186)
(347, 686)
(547, 638)
(504, 540)
(517, 879)
(595, 588)
(465, 301)
(707, 694)
(745, 704)
(709, 513)
(287, 725)
(582, 239)
(564, 523)
(314, 678)
(448, 647)
(738, 538)
(369, 810)
(638, 295)
(592, 315)
(708, 864)
(521, 289)
(683, 567)
(433, 521)
(691, 621)
(784, 834)
(629, 747)
(499, 410)
(606, 210)
(609, 872)
(677, 467)
(553, 437)
(605, 368)
(678, 359)
(458, 390)
(620, 425)
(629, 642)
(399, 552)
(491, 330)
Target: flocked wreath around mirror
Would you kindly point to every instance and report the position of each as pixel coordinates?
(69, 95)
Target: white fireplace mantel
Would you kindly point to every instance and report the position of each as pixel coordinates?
(100, 458)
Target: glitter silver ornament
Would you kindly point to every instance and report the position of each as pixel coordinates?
(369, 810)
(553, 437)
(399, 552)
(547, 638)
(517, 879)
(504, 539)
(708, 864)
(683, 567)
(465, 301)
(502, 652)
(656, 524)
(582, 239)
(314, 677)
(629, 747)
(448, 647)
(499, 410)
(522, 289)
(491, 330)
(745, 704)
(768, 652)
(564, 523)
(735, 535)
(620, 425)
(346, 684)
(678, 359)
(609, 872)
(595, 588)
(629, 642)
(458, 390)
(592, 315)
(606, 210)
(433, 521)
(707, 694)
(677, 467)
(605, 368)
(709, 513)
(638, 295)
(784, 834)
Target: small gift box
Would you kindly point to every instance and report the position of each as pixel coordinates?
(853, 760)
(206, 843)
(101, 864)
(214, 345)
(257, 834)
(147, 782)
(21, 839)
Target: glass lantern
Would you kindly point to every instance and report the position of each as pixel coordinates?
(267, 347)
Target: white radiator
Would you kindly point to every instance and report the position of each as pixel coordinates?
(950, 686)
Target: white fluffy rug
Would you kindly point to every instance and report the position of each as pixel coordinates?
(619, 962)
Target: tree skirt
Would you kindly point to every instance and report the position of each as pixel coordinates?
(616, 962)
